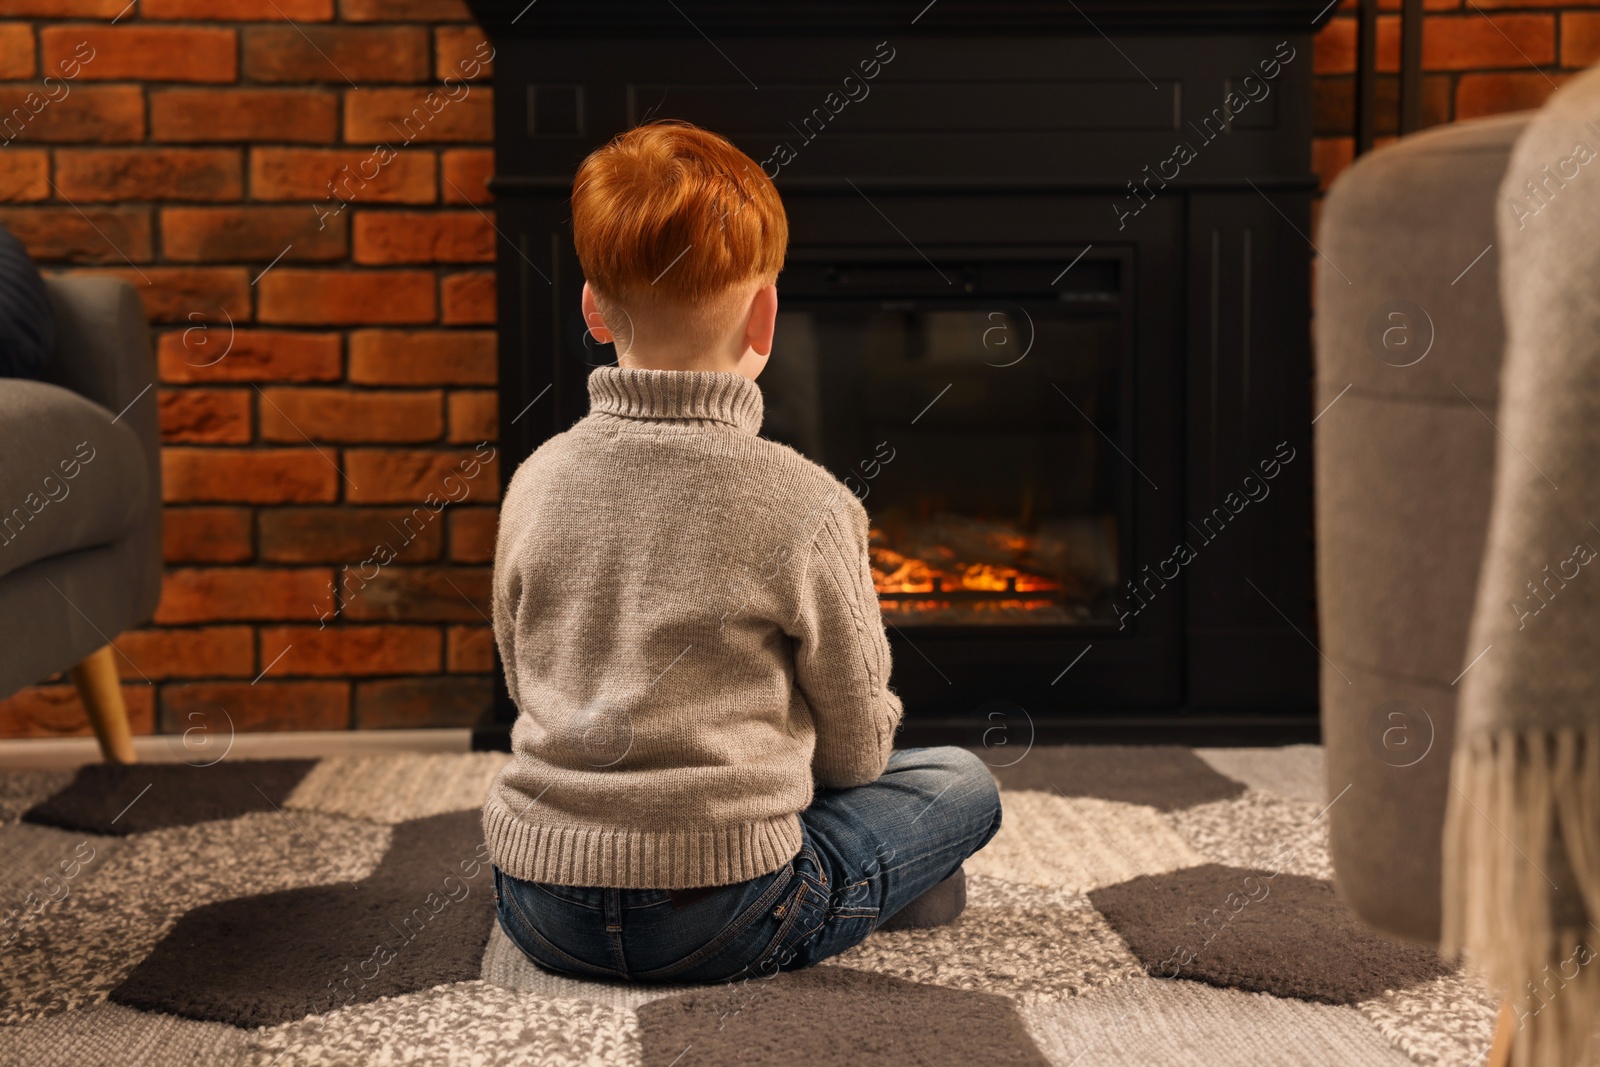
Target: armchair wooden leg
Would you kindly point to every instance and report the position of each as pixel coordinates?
(1505, 1028)
(101, 693)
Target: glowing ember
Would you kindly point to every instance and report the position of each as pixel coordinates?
(906, 583)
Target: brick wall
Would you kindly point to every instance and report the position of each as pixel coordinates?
(1479, 57)
(189, 145)
(204, 138)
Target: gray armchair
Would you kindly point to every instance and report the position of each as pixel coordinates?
(1458, 379)
(80, 502)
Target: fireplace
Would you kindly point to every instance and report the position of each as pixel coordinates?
(962, 400)
(1045, 311)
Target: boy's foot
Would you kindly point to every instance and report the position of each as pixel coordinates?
(937, 906)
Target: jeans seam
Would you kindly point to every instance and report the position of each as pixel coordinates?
(791, 917)
(565, 900)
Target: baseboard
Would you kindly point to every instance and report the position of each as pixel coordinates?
(59, 753)
(1195, 729)
(1191, 729)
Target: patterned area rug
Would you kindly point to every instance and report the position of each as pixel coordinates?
(1138, 906)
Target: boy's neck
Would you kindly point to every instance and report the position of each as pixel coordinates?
(676, 361)
(719, 362)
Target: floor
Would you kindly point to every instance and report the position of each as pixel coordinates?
(281, 911)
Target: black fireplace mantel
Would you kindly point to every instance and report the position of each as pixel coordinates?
(690, 18)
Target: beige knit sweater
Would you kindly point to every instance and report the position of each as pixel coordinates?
(688, 625)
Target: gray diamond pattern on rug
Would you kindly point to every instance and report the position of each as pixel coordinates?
(828, 1016)
(1268, 932)
(1107, 857)
(111, 798)
(418, 919)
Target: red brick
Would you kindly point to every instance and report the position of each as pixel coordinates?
(146, 53)
(351, 535)
(420, 116)
(464, 175)
(54, 711)
(247, 476)
(1580, 38)
(90, 174)
(205, 715)
(339, 297)
(213, 353)
(423, 237)
(333, 178)
(207, 594)
(188, 294)
(1334, 49)
(206, 535)
(237, 10)
(468, 299)
(1329, 156)
(472, 533)
(101, 113)
(24, 175)
(462, 52)
(1472, 42)
(1493, 94)
(93, 235)
(474, 416)
(417, 594)
(16, 50)
(414, 704)
(234, 115)
(469, 649)
(231, 234)
(404, 11)
(423, 357)
(351, 650)
(200, 652)
(205, 416)
(403, 476)
(346, 415)
(338, 54)
(65, 9)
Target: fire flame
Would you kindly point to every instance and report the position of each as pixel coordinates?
(896, 572)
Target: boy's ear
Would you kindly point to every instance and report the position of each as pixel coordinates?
(759, 327)
(763, 320)
(591, 317)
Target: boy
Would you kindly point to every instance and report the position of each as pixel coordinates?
(701, 784)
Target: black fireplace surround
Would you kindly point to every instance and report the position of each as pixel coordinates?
(1046, 310)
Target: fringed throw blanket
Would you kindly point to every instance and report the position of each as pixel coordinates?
(1522, 837)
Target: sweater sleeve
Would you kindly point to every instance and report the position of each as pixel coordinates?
(505, 587)
(841, 655)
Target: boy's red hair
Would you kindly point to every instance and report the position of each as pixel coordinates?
(673, 212)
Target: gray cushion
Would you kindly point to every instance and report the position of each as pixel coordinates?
(1403, 224)
(71, 477)
(1404, 469)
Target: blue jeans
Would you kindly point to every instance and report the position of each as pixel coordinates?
(865, 853)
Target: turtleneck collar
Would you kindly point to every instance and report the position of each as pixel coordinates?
(693, 396)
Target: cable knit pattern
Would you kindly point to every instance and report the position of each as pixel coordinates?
(686, 616)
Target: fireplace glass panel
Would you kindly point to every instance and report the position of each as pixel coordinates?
(972, 415)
